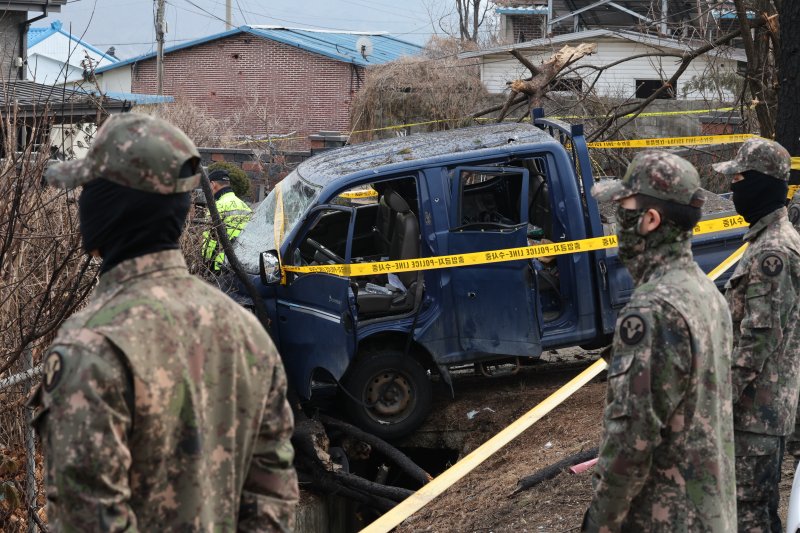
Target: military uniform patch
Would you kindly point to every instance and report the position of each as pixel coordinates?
(632, 329)
(794, 213)
(772, 265)
(53, 366)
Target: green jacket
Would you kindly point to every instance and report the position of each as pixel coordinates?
(234, 214)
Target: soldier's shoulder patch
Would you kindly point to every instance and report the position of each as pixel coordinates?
(632, 328)
(771, 265)
(53, 368)
(794, 213)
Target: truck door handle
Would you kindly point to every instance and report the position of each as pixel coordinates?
(471, 294)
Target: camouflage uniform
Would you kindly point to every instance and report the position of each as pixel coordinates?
(794, 211)
(763, 293)
(666, 456)
(153, 415)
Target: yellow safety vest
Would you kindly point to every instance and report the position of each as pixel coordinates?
(234, 214)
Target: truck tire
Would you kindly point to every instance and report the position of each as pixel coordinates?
(388, 393)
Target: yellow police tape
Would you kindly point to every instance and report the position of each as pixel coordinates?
(497, 256)
(369, 193)
(449, 477)
(672, 141)
(481, 119)
(796, 163)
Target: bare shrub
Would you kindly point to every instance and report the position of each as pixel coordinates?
(44, 278)
(435, 88)
(202, 128)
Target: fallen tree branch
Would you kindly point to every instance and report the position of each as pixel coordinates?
(686, 60)
(396, 456)
(390, 492)
(549, 472)
(322, 481)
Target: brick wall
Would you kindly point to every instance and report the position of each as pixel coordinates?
(264, 172)
(9, 42)
(526, 27)
(258, 85)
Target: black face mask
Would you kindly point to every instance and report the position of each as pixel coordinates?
(123, 223)
(758, 195)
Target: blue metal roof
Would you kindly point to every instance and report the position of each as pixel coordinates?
(37, 35)
(134, 98)
(338, 45)
(532, 10)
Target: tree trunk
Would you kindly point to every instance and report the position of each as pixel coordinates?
(787, 125)
(758, 64)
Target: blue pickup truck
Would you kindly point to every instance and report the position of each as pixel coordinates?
(380, 338)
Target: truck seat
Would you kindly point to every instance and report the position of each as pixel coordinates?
(404, 244)
(389, 205)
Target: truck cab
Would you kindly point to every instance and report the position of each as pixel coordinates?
(422, 200)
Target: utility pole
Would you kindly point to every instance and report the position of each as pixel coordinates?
(160, 30)
(228, 15)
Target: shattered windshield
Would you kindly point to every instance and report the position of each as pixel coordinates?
(290, 198)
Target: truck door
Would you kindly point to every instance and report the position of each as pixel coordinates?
(495, 304)
(315, 310)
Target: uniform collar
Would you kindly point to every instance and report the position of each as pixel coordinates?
(140, 266)
(220, 193)
(765, 221)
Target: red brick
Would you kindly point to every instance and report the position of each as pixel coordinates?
(251, 166)
(218, 157)
(274, 88)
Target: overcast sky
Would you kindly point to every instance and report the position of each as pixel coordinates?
(128, 24)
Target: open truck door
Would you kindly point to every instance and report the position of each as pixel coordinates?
(496, 305)
(315, 310)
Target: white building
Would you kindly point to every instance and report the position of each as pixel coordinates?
(637, 77)
(57, 57)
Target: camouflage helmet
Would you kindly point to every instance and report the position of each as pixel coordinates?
(135, 151)
(762, 155)
(657, 174)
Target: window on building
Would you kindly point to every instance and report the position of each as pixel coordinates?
(646, 88)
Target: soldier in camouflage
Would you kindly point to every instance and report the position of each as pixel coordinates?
(764, 297)
(163, 405)
(666, 458)
(794, 210)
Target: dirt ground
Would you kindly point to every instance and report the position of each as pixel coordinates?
(484, 500)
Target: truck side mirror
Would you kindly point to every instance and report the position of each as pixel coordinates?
(269, 267)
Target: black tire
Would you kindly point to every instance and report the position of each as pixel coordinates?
(389, 393)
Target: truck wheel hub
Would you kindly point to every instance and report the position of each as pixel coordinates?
(389, 394)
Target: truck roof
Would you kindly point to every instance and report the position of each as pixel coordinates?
(328, 166)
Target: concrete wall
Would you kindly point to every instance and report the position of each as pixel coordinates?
(10, 42)
(616, 82)
(117, 80)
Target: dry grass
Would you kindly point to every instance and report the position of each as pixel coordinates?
(436, 86)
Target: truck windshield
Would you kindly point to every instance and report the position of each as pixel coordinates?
(294, 196)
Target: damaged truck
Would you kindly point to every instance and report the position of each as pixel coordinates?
(378, 340)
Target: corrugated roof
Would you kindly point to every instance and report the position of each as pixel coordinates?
(134, 98)
(52, 6)
(338, 45)
(532, 10)
(32, 97)
(655, 41)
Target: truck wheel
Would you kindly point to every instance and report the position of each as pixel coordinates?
(391, 394)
